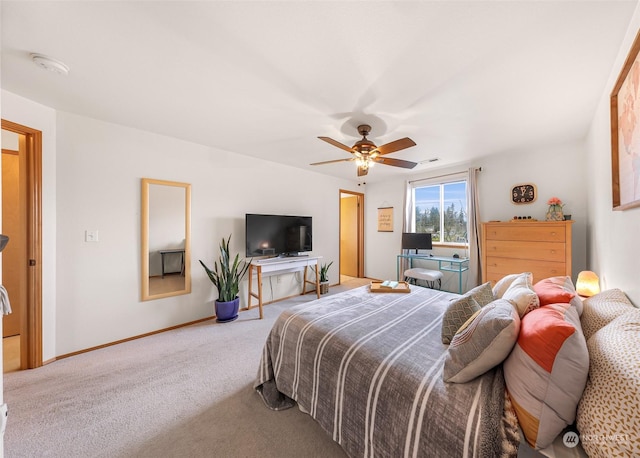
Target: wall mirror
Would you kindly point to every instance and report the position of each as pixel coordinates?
(166, 233)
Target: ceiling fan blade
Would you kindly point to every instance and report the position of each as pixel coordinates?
(395, 162)
(337, 143)
(394, 146)
(331, 162)
(362, 171)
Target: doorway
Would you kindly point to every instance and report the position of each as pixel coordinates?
(351, 235)
(14, 255)
(22, 220)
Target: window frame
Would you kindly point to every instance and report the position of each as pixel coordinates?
(441, 182)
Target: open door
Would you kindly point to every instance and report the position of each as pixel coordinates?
(25, 269)
(351, 235)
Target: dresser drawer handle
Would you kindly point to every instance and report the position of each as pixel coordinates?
(553, 233)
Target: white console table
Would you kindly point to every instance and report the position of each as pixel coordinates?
(277, 266)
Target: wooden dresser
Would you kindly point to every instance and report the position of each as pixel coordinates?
(540, 247)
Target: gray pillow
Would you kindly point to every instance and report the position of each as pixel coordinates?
(483, 342)
(458, 312)
(483, 294)
(461, 309)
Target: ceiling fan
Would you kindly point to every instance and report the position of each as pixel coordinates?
(366, 153)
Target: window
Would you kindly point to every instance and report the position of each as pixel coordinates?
(441, 208)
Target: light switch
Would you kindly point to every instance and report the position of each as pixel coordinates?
(91, 235)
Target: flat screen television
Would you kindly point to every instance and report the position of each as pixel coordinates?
(277, 235)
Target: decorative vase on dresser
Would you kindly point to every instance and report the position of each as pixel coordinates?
(554, 213)
(540, 247)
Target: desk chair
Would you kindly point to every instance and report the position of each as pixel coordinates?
(420, 241)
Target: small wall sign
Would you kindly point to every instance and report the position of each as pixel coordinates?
(385, 219)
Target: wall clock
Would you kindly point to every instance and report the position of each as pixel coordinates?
(524, 193)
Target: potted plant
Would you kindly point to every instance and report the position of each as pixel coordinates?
(324, 278)
(226, 277)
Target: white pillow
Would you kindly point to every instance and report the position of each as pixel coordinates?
(503, 284)
(521, 294)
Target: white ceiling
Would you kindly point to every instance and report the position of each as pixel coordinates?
(462, 79)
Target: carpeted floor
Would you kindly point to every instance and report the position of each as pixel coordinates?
(181, 393)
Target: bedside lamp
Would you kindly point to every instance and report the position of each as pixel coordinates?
(588, 284)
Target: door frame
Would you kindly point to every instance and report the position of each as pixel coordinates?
(360, 228)
(31, 329)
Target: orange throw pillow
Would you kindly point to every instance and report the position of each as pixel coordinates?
(553, 291)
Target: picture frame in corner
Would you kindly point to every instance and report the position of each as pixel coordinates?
(625, 141)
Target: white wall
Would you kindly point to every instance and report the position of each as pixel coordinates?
(99, 170)
(557, 170)
(97, 167)
(614, 251)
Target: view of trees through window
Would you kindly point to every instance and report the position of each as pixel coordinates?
(442, 210)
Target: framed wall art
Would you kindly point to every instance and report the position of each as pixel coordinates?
(625, 133)
(385, 219)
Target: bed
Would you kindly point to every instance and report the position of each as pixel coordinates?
(368, 367)
(537, 370)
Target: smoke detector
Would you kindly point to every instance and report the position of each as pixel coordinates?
(426, 161)
(50, 64)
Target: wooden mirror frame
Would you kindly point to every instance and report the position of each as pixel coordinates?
(144, 280)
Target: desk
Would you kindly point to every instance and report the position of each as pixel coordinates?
(445, 264)
(179, 251)
(277, 266)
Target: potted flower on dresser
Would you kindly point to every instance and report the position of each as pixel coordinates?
(554, 212)
(226, 276)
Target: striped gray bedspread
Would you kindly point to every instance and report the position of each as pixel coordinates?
(368, 368)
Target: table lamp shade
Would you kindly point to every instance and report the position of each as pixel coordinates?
(588, 283)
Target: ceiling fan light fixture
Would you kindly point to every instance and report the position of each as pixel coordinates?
(50, 64)
(366, 153)
(364, 146)
(364, 163)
